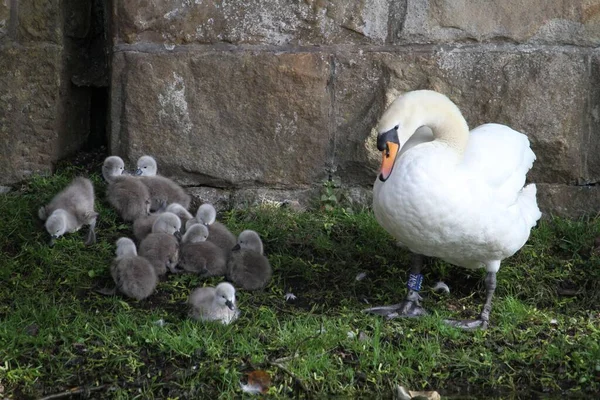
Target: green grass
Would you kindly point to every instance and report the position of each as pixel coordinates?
(57, 333)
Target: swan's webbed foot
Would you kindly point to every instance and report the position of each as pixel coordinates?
(467, 324)
(410, 307)
(107, 291)
(483, 321)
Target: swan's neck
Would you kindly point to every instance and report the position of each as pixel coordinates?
(449, 127)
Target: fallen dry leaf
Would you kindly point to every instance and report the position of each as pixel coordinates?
(258, 382)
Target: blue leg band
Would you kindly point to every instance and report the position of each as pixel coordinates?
(414, 282)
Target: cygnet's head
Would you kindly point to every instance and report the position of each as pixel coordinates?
(180, 211)
(195, 234)
(225, 295)
(56, 224)
(206, 214)
(146, 166)
(125, 247)
(249, 240)
(113, 166)
(168, 223)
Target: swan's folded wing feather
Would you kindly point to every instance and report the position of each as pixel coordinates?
(500, 157)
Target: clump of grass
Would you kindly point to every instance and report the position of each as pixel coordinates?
(57, 333)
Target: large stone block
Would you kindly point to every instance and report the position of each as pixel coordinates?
(28, 110)
(538, 93)
(40, 21)
(42, 117)
(224, 118)
(276, 22)
(537, 21)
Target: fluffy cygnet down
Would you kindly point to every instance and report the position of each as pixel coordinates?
(247, 266)
(214, 304)
(142, 227)
(162, 190)
(127, 194)
(134, 276)
(70, 209)
(161, 247)
(217, 232)
(200, 256)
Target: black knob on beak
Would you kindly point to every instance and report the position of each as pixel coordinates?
(389, 136)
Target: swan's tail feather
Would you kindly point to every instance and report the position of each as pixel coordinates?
(527, 202)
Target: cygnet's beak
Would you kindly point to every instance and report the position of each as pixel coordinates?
(177, 235)
(389, 144)
(52, 240)
(236, 247)
(229, 304)
(138, 172)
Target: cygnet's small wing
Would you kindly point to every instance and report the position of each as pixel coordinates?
(249, 269)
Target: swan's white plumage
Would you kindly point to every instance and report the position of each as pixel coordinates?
(468, 208)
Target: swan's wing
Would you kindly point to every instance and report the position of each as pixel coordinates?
(499, 157)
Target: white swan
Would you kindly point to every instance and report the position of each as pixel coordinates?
(459, 197)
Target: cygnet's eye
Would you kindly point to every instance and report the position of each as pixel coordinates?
(145, 167)
(396, 127)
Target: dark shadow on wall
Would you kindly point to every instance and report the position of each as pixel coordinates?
(86, 27)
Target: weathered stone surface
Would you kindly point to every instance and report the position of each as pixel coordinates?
(534, 21)
(222, 118)
(276, 22)
(41, 118)
(537, 93)
(40, 21)
(28, 108)
(568, 201)
(4, 17)
(219, 198)
(590, 148)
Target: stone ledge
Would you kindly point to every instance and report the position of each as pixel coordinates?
(558, 200)
(568, 201)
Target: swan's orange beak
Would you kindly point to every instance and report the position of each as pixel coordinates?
(389, 145)
(388, 159)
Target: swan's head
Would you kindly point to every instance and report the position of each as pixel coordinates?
(225, 295)
(180, 211)
(168, 223)
(407, 114)
(396, 126)
(56, 224)
(195, 234)
(113, 166)
(206, 214)
(249, 240)
(146, 166)
(125, 247)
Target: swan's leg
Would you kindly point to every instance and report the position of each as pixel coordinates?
(91, 235)
(411, 306)
(482, 322)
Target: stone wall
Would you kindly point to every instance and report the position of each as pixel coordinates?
(264, 99)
